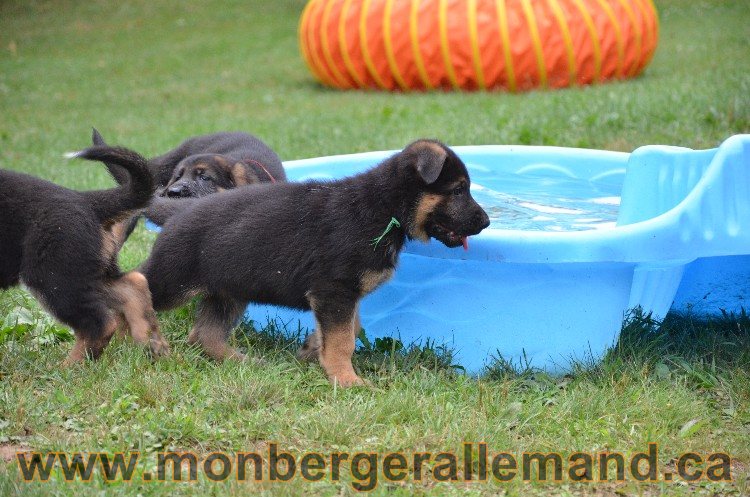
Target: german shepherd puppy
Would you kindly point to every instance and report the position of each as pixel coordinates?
(314, 245)
(208, 164)
(200, 166)
(62, 245)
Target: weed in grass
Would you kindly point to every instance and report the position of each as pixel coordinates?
(28, 319)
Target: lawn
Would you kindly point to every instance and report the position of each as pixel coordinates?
(149, 73)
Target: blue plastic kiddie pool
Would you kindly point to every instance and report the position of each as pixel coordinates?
(578, 238)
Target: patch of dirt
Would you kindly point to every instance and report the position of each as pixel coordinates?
(8, 451)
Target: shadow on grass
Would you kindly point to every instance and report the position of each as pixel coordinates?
(720, 341)
(700, 349)
(378, 356)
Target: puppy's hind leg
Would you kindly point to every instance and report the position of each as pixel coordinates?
(89, 343)
(214, 320)
(121, 230)
(131, 297)
(93, 325)
(71, 294)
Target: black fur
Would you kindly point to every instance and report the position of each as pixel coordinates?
(162, 208)
(134, 194)
(235, 147)
(201, 166)
(309, 245)
(58, 243)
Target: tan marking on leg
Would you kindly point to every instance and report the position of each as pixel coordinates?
(114, 235)
(370, 280)
(77, 353)
(336, 350)
(122, 330)
(214, 321)
(212, 337)
(133, 300)
(425, 206)
(119, 231)
(118, 218)
(90, 346)
(109, 243)
(336, 355)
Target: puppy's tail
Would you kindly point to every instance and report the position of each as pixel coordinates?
(135, 194)
(119, 173)
(162, 209)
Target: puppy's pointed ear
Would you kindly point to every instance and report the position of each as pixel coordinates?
(239, 176)
(430, 158)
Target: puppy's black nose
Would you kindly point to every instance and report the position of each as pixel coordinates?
(175, 191)
(481, 219)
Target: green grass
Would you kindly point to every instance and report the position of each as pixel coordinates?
(148, 74)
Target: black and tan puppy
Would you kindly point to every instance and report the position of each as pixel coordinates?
(315, 245)
(62, 245)
(208, 164)
(200, 166)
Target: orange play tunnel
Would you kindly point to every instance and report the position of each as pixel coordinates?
(513, 45)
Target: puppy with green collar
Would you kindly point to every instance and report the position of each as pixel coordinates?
(319, 245)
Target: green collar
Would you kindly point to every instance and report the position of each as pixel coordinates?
(393, 223)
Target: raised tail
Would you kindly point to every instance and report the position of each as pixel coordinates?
(134, 194)
(119, 173)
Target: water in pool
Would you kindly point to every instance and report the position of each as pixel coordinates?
(544, 203)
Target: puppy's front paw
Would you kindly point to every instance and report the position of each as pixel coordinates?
(236, 355)
(70, 361)
(254, 360)
(310, 349)
(159, 347)
(347, 380)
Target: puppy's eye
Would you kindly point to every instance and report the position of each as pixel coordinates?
(202, 176)
(460, 189)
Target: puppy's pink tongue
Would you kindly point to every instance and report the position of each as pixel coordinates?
(465, 241)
